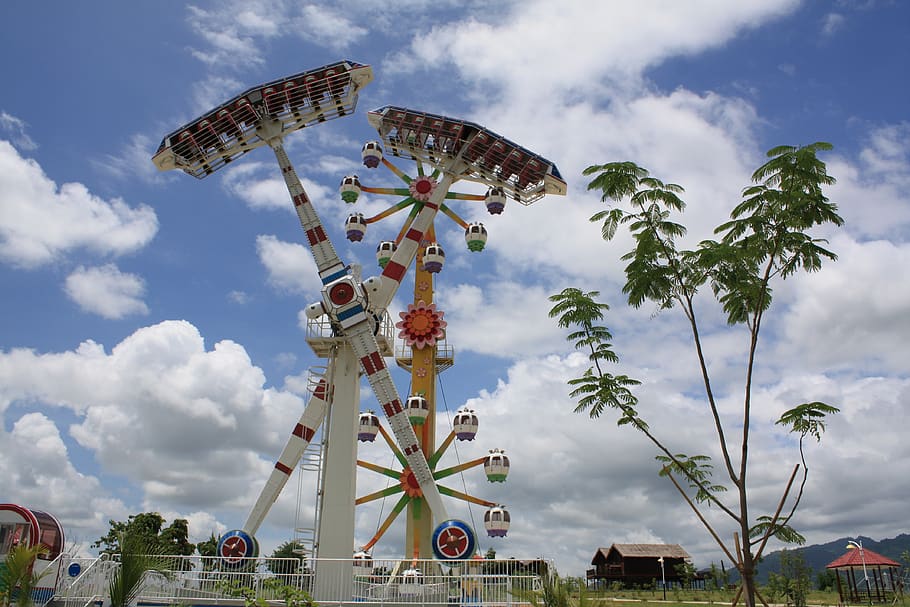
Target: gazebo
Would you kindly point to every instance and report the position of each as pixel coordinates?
(868, 576)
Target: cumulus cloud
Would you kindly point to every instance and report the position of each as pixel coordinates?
(529, 37)
(835, 323)
(42, 221)
(159, 408)
(260, 186)
(289, 265)
(37, 469)
(512, 311)
(107, 291)
(196, 429)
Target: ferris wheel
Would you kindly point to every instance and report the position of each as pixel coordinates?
(452, 150)
(424, 353)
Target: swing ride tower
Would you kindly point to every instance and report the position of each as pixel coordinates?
(445, 151)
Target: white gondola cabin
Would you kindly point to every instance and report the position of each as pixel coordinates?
(350, 189)
(496, 520)
(496, 466)
(371, 154)
(418, 409)
(367, 427)
(465, 424)
(355, 227)
(476, 237)
(495, 199)
(433, 258)
(384, 252)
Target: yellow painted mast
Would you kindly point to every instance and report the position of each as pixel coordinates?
(422, 362)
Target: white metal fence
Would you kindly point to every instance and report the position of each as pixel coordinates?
(201, 581)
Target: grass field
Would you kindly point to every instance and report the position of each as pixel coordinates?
(687, 598)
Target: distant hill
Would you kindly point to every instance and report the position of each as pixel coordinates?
(818, 556)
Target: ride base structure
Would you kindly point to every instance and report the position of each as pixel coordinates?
(350, 328)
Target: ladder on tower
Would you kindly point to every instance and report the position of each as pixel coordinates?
(310, 470)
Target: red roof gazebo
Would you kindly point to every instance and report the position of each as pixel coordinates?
(868, 576)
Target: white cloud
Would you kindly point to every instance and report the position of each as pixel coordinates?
(260, 186)
(230, 33)
(239, 297)
(524, 50)
(133, 161)
(854, 315)
(328, 27)
(36, 469)
(832, 23)
(290, 266)
(159, 409)
(41, 222)
(195, 430)
(879, 179)
(511, 311)
(212, 91)
(16, 129)
(107, 291)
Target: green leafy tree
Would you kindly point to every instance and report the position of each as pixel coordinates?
(685, 571)
(149, 528)
(766, 240)
(717, 578)
(794, 580)
(208, 548)
(283, 567)
(826, 580)
(17, 574)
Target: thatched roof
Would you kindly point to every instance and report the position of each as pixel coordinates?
(670, 551)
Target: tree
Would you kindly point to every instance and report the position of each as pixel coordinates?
(17, 574)
(826, 580)
(793, 581)
(685, 571)
(287, 550)
(765, 241)
(208, 548)
(149, 528)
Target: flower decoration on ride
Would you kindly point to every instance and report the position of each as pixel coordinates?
(422, 188)
(421, 325)
(409, 484)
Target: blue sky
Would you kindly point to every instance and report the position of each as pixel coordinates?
(151, 354)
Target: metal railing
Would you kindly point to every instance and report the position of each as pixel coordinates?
(209, 581)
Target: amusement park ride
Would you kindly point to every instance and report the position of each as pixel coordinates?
(349, 325)
(445, 150)
(20, 526)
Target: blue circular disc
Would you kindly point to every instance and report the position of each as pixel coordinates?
(235, 546)
(74, 570)
(453, 540)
